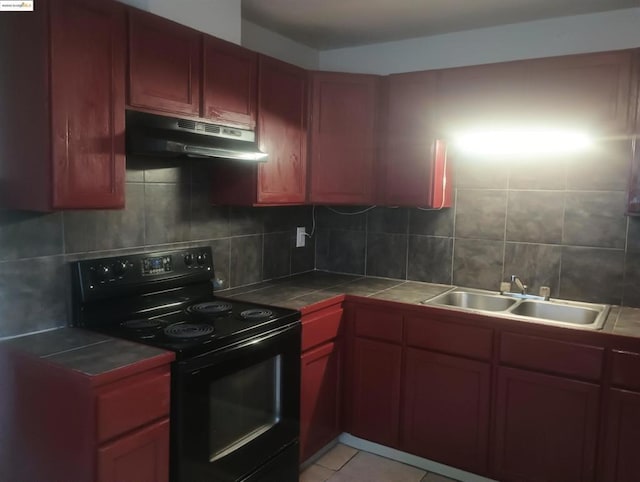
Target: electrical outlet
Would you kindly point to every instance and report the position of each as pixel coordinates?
(301, 234)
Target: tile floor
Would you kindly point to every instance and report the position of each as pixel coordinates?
(346, 464)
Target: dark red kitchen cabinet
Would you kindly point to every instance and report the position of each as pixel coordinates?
(320, 400)
(230, 83)
(374, 412)
(282, 133)
(546, 428)
(142, 456)
(164, 65)
(621, 462)
(343, 138)
(446, 409)
(589, 91)
(414, 169)
(63, 106)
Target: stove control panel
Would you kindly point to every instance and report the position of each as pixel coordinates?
(97, 278)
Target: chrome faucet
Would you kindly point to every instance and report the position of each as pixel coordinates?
(521, 286)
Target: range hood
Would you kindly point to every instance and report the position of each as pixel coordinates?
(163, 136)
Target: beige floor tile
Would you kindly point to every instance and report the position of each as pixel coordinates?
(335, 458)
(316, 473)
(372, 468)
(431, 477)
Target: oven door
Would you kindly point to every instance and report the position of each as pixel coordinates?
(234, 410)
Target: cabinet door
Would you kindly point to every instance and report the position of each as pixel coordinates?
(164, 65)
(230, 83)
(319, 398)
(375, 391)
(142, 456)
(546, 428)
(87, 104)
(591, 91)
(412, 169)
(343, 149)
(621, 462)
(282, 132)
(446, 409)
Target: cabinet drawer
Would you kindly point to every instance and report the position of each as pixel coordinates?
(448, 337)
(321, 327)
(380, 325)
(551, 356)
(132, 403)
(625, 369)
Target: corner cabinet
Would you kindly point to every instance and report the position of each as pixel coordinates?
(414, 169)
(282, 133)
(164, 65)
(344, 124)
(62, 143)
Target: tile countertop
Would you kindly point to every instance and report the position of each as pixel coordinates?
(300, 291)
(92, 354)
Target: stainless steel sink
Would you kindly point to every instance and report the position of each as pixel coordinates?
(553, 312)
(473, 300)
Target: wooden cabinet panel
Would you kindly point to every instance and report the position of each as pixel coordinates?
(591, 91)
(87, 104)
(414, 168)
(320, 398)
(379, 324)
(142, 456)
(132, 403)
(446, 409)
(282, 132)
(321, 327)
(343, 138)
(546, 428)
(553, 356)
(374, 413)
(230, 83)
(625, 367)
(622, 437)
(449, 337)
(164, 64)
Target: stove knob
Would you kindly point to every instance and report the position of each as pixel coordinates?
(188, 259)
(200, 258)
(119, 268)
(103, 272)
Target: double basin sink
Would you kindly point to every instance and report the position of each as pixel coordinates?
(525, 307)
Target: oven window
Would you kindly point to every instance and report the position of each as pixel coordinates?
(244, 405)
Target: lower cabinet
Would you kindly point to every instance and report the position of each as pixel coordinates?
(320, 401)
(446, 409)
(139, 457)
(375, 391)
(546, 428)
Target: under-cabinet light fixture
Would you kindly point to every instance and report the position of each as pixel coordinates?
(521, 142)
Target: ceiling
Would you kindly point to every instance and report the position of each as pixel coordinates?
(329, 24)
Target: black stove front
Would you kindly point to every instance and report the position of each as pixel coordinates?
(236, 378)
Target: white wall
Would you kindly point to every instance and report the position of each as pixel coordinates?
(544, 38)
(221, 18)
(270, 43)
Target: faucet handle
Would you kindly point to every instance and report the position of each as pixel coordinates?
(545, 292)
(505, 287)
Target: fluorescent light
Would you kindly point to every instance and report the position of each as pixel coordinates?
(521, 142)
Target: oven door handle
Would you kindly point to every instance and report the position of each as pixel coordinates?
(219, 356)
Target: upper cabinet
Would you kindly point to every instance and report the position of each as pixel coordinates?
(343, 138)
(62, 119)
(164, 65)
(229, 83)
(413, 169)
(591, 91)
(282, 133)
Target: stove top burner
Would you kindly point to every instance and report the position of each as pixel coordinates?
(185, 331)
(256, 314)
(211, 308)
